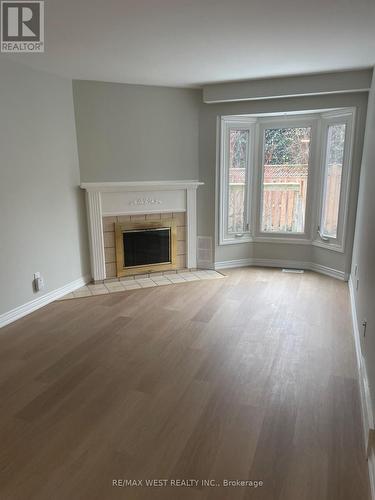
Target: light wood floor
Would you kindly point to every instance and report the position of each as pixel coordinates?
(249, 377)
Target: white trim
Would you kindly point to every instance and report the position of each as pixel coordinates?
(346, 116)
(142, 202)
(276, 239)
(191, 227)
(139, 186)
(305, 121)
(33, 305)
(366, 404)
(96, 235)
(278, 263)
(329, 271)
(118, 213)
(241, 119)
(315, 119)
(228, 264)
(227, 124)
(282, 263)
(328, 246)
(144, 197)
(339, 113)
(289, 86)
(238, 240)
(284, 96)
(283, 240)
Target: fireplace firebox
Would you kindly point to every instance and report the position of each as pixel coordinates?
(145, 247)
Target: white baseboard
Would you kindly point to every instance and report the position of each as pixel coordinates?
(366, 404)
(288, 264)
(371, 471)
(35, 304)
(227, 264)
(329, 271)
(291, 264)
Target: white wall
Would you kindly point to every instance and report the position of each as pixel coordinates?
(364, 248)
(42, 214)
(135, 132)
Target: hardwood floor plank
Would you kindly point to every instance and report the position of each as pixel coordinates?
(251, 377)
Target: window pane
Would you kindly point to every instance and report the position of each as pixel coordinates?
(332, 179)
(237, 171)
(285, 176)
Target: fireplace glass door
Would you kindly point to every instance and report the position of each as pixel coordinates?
(143, 247)
(146, 246)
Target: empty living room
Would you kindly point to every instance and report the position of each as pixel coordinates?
(187, 255)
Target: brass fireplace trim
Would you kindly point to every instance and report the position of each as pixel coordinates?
(120, 227)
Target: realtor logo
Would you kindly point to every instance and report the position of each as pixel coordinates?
(22, 26)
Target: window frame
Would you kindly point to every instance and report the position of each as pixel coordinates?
(346, 117)
(286, 122)
(319, 121)
(227, 124)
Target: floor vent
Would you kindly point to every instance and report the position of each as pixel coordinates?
(294, 271)
(204, 252)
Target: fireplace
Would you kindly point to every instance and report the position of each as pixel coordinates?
(145, 247)
(109, 203)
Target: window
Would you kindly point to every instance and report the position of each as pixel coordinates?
(285, 178)
(332, 179)
(237, 180)
(237, 150)
(286, 156)
(335, 177)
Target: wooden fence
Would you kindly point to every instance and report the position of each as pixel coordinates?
(284, 198)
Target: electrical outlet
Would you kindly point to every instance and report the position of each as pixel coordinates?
(364, 324)
(371, 442)
(38, 282)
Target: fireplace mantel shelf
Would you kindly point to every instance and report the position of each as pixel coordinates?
(139, 186)
(143, 197)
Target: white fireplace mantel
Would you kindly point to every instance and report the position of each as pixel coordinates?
(131, 198)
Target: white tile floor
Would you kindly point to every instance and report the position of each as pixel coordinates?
(142, 282)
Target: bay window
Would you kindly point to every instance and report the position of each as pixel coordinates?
(286, 153)
(285, 178)
(332, 179)
(237, 150)
(335, 174)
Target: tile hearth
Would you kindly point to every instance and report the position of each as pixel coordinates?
(142, 281)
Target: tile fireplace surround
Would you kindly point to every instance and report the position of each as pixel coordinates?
(121, 199)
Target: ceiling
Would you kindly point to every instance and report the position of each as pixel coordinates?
(193, 42)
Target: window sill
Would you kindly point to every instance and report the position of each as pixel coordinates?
(289, 240)
(334, 247)
(283, 241)
(266, 239)
(236, 241)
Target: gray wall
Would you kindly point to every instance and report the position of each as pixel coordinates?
(207, 173)
(364, 247)
(135, 132)
(42, 215)
(289, 86)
